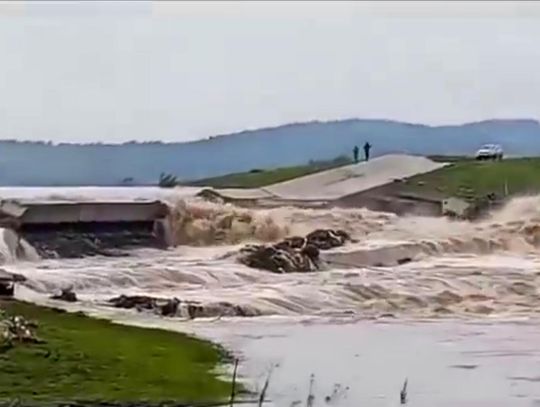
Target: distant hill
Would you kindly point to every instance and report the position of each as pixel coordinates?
(40, 164)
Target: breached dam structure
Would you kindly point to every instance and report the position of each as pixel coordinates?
(371, 184)
(73, 229)
(88, 221)
(35, 213)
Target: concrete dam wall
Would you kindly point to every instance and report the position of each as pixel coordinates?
(75, 229)
(50, 213)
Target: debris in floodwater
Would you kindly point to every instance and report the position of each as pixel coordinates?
(66, 294)
(262, 396)
(311, 397)
(338, 393)
(403, 393)
(466, 367)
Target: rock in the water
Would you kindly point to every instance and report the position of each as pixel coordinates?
(67, 294)
(325, 239)
(404, 260)
(170, 308)
(7, 289)
(139, 302)
(188, 309)
(219, 309)
(294, 254)
(281, 259)
(161, 306)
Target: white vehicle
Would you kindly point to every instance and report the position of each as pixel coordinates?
(490, 152)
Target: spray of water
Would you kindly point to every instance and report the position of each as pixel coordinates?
(13, 248)
(200, 223)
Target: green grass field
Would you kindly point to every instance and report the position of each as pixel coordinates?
(90, 359)
(470, 179)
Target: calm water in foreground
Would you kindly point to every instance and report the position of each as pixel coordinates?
(366, 363)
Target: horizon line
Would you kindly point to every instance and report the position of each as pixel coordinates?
(266, 128)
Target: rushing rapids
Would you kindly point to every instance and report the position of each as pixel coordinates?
(415, 266)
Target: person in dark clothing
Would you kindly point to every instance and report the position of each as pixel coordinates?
(356, 151)
(367, 148)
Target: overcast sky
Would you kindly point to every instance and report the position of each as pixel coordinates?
(106, 71)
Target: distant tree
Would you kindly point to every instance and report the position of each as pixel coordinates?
(168, 181)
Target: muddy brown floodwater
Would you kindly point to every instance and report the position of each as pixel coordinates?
(458, 320)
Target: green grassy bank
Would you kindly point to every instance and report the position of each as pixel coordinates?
(469, 179)
(260, 178)
(91, 359)
(256, 179)
(464, 177)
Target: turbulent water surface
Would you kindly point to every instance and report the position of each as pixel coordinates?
(446, 319)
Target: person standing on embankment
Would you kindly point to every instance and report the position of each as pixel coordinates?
(356, 151)
(367, 148)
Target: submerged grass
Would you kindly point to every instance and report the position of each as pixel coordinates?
(91, 359)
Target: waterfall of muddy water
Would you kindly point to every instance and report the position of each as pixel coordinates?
(14, 249)
(453, 268)
(487, 271)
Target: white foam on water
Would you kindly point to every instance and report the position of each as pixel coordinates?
(457, 268)
(486, 271)
(14, 249)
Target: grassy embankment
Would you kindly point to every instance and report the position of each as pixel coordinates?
(464, 178)
(260, 178)
(91, 359)
(471, 179)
